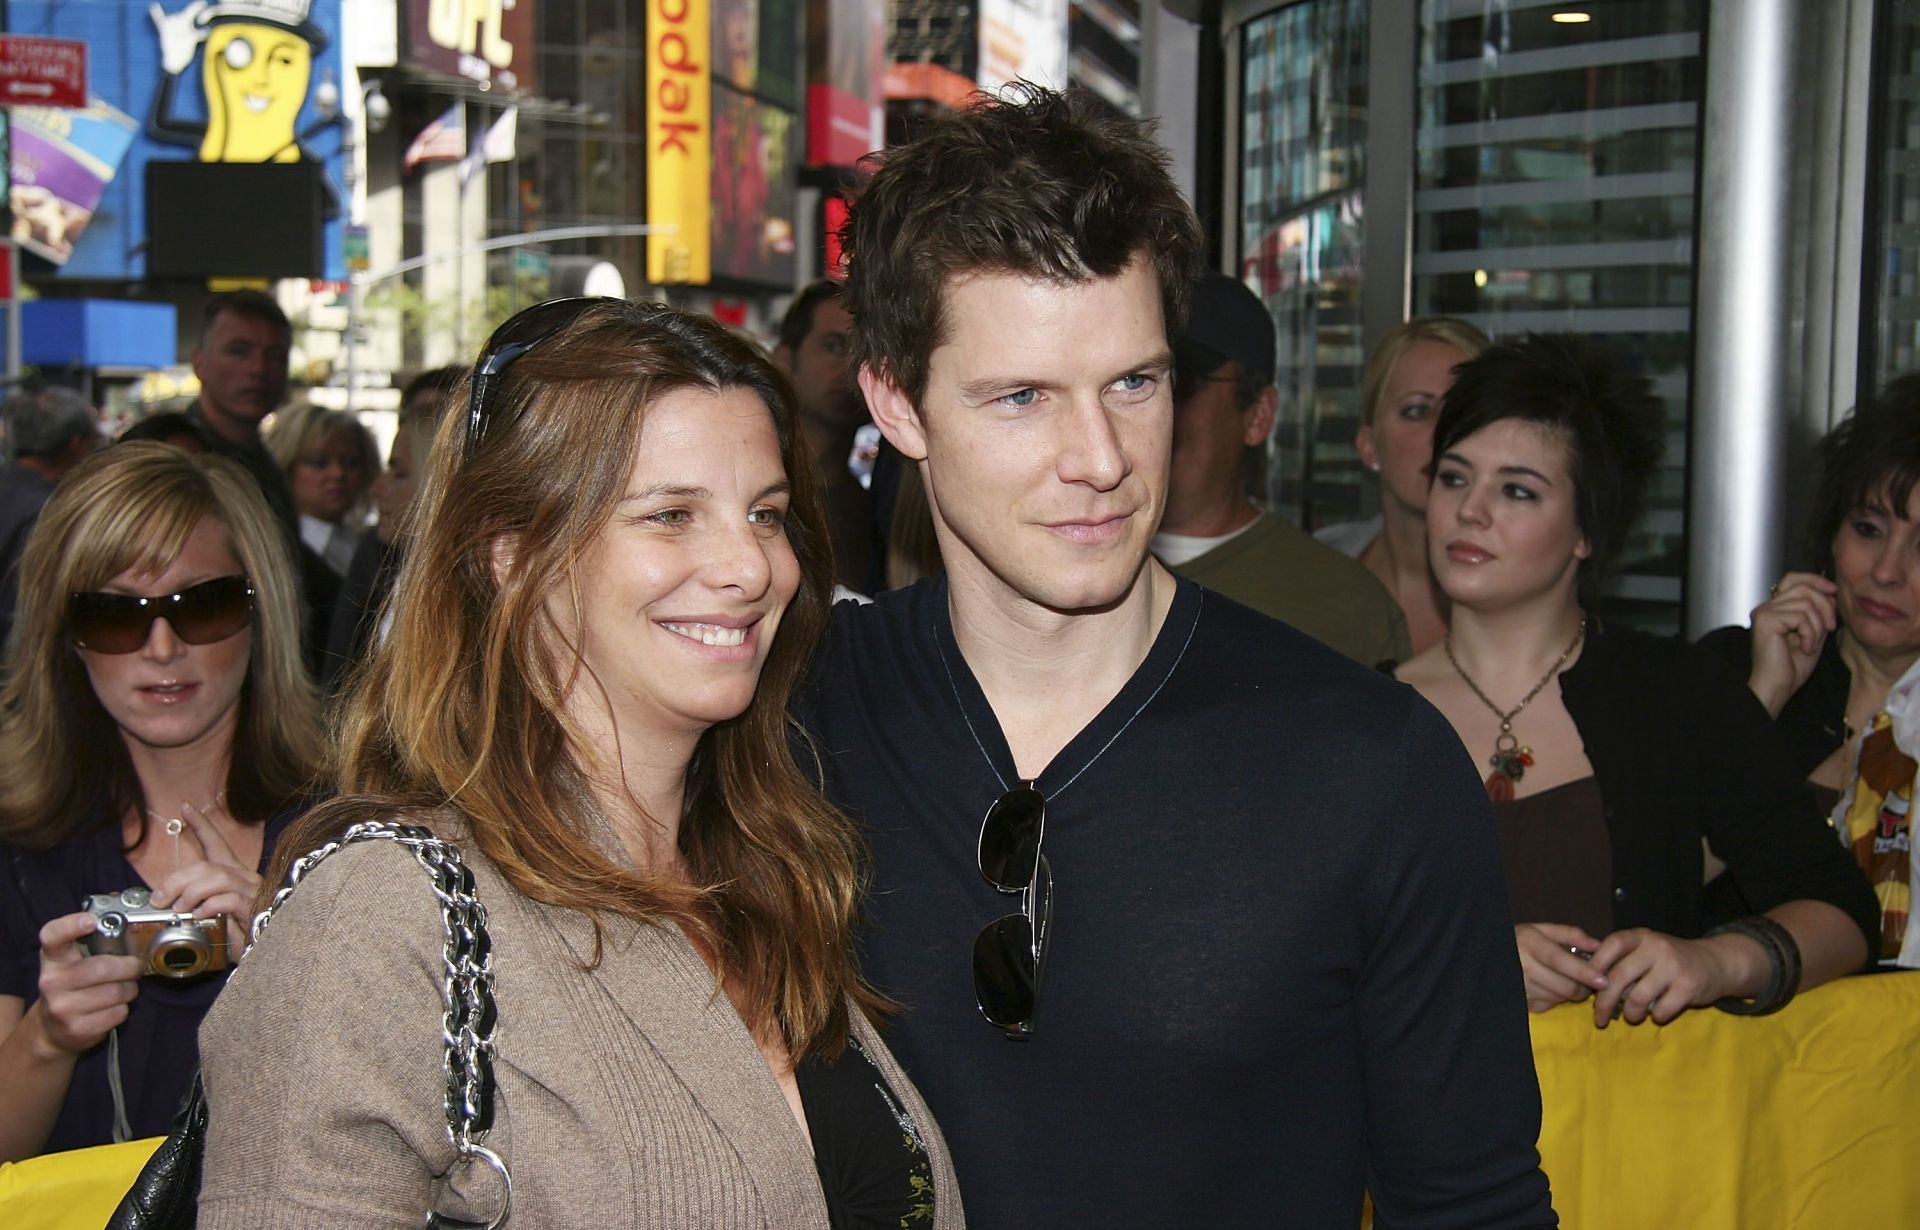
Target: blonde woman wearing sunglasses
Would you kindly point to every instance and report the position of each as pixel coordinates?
(156, 734)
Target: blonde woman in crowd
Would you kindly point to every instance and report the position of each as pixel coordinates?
(1406, 376)
(330, 459)
(157, 733)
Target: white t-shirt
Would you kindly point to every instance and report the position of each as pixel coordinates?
(1174, 550)
(1350, 537)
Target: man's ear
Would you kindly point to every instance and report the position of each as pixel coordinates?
(1260, 417)
(78, 449)
(894, 414)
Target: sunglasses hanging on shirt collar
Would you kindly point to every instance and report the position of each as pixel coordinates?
(1010, 953)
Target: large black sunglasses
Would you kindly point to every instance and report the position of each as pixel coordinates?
(520, 333)
(199, 615)
(1010, 953)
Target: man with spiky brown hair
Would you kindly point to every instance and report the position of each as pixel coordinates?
(1235, 916)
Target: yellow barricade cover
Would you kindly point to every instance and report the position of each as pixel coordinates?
(1809, 1118)
(76, 1190)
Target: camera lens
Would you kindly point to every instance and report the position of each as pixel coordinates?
(179, 960)
(179, 952)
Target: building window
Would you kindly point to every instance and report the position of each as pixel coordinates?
(1554, 192)
(1303, 134)
(1893, 251)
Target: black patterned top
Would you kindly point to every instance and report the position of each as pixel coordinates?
(873, 1167)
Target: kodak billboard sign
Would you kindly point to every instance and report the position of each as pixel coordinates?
(679, 140)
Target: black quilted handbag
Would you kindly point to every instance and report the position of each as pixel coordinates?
(166, 1195)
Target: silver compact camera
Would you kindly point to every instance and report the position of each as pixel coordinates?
(173, 945)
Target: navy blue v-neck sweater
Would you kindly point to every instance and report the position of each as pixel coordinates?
(1282, 968)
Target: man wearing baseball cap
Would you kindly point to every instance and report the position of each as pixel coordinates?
(1224, 403)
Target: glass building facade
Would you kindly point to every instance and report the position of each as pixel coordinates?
(1552, 182)
(1892, 341)
(1554, 191)
(1303, 173)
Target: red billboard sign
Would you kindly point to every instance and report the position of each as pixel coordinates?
(42, 72)
(846, 58)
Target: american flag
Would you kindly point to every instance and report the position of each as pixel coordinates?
(443, 139)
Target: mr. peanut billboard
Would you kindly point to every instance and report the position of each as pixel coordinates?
(229, 82)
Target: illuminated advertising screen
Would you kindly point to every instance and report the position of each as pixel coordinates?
(756, 140)
(679, 141)
(754, 152)
(481, 40)
(1025, 39)
(846, 62)
(231, 82)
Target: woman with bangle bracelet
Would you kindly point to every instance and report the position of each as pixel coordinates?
(1614, 754)
(1828, 645)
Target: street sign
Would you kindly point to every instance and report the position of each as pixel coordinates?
(531, 263)
(42, 72)
(354, 249)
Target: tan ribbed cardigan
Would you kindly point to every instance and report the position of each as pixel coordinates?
(629, 1095)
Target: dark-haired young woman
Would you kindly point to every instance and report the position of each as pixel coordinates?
(1611, 754)
(614, 575)
(156, 732)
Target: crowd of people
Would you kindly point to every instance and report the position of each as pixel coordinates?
(1144, 861)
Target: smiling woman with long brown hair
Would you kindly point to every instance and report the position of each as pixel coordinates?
(614, 577)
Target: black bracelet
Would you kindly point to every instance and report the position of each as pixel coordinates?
(1783, 965)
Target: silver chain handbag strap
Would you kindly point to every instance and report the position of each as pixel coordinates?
(467, 1027)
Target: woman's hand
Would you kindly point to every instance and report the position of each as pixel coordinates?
(82, 997)
(218, 883)
(1656, 976)
(1554, 972)
(1789, 630)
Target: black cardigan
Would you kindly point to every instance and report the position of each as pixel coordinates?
(1814, 719)
(1681, 751)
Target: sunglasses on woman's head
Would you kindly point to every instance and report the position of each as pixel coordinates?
(199, 615)
(513, 339)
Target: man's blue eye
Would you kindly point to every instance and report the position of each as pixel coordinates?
(1024, 397)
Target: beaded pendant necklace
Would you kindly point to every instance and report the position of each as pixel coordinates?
(1510, 760)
